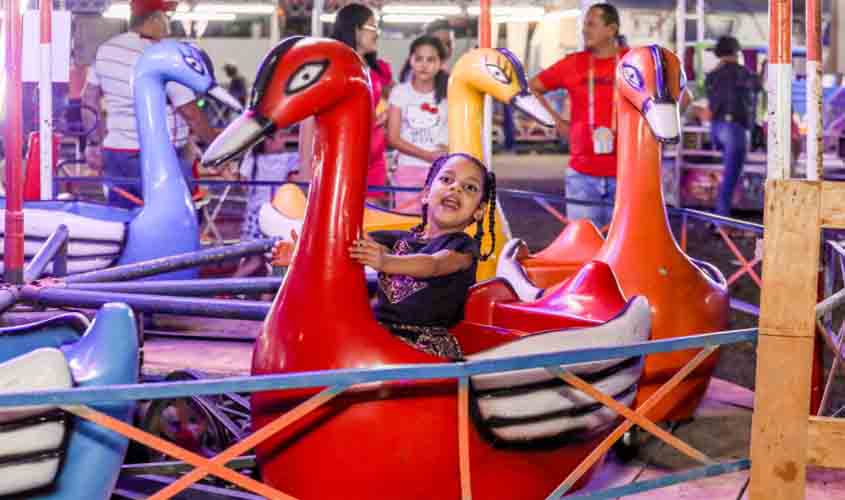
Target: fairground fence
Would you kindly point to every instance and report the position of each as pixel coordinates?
(335, 382)
(545, 201)
(74, 400)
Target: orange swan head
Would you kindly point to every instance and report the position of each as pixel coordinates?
(652, 80)
(686, 298)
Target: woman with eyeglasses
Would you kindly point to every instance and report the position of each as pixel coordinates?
(355, 25)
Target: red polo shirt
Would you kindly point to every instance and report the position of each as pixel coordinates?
(572, 73)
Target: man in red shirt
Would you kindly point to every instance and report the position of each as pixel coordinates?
(588, 78)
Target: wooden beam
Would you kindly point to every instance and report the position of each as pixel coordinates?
(785, 343)
(833, 205)
(826, 442)
(779, 422)
(791, 258)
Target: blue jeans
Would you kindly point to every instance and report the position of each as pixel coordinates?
(128, 164)
(732, 139)
(590, 188)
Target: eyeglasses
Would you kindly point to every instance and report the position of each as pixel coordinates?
(370, 27)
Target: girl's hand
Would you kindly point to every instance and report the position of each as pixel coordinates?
(369, 253)
(282, 252)
(381, 119)
(437, 153)
(562, 128)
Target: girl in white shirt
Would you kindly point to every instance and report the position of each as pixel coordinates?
(416, 120)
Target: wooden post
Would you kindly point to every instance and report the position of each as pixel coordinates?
(785, 342)
(784, 439)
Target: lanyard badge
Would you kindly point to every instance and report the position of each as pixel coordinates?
(603, 137)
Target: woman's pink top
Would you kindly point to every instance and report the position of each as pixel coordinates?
(377, 171)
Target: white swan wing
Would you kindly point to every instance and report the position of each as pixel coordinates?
(523, 406)
(31, 437)
(93, 243)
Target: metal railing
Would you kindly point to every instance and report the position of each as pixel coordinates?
(338, 381)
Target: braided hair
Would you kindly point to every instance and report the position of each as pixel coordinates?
(488, 195)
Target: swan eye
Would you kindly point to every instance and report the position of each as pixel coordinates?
(497, 73)
(306, 76)
(632, 76)
(194, 64)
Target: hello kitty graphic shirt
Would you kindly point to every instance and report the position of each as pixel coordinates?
(437, 301)
(424, 121)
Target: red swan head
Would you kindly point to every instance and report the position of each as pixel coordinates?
(652, 80)
(286, 91)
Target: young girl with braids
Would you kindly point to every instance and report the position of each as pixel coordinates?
(425, 273)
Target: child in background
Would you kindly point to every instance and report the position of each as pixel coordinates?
(267, 161)
(417, 119)
(425, 273)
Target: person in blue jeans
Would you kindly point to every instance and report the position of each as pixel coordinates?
(731, 89)
(731, 139)
(600, 191)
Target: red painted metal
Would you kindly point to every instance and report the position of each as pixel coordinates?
(551, 210)
(32, 177)
(745, 265)
(45, 11)
(13, 245)
(45, 93)
(384, 440)
(485, 24)
(780, 31)
(813, 15)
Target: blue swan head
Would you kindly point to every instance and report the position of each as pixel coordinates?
(166, 224)
(185, 63)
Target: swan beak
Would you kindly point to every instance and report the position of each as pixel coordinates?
(225, 97)
(530, 105)
(665, 121)
(240, 135)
